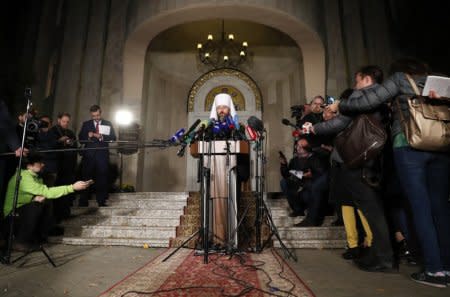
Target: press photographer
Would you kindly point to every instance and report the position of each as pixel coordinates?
(35, 219)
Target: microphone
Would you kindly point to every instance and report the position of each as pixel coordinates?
(176, 137)
(230, 123)
(190, 130)
(204, 125)
(188, 138)
(287, 123)
(236, 122)
(252, 134)
(256, 124)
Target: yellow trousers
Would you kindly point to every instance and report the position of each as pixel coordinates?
(348, 214)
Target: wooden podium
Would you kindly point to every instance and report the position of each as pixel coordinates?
(220, 158)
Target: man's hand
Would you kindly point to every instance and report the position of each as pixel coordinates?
(333, 107)
(39, 199)
(307, 173)
(435, 95)
(64, 139)
(19, 150)
(326, 147)
(80, 185)
(93, 134)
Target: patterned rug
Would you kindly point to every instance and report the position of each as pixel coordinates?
(185, 274)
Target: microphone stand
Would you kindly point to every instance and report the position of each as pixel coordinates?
(205, 176)
(6, 259)
(261, 207)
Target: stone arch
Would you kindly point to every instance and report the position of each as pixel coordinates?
(307, 39)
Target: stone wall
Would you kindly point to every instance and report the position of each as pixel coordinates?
(100, 49)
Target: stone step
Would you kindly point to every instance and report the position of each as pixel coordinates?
(136, 242)
(119, 211)
(298, 233)
(142, 203)
(103, 211)
(287, 221)
(151, 195)
(105, 231)
(311, 244)
(131, 221)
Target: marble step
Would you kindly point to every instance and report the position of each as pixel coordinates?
(105, 231)
(120, 211)
(131, 221)
(136, 242)
(151, 195)
(298, 233)
(287, 221)
(311, 244)
(142, 203)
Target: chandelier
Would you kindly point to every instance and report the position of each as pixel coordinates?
(224, 52)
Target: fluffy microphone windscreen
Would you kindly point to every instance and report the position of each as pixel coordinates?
(256, 124)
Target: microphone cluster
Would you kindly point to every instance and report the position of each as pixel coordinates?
(217, 130)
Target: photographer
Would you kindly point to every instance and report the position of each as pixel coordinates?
(35, 220)
(66, 163)
(46, 140)
(314, 113)
(303, 170)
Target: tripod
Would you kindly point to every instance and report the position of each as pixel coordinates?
(203, 231)
(6, 258)
(261, 207)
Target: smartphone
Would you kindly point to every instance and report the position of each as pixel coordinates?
(281, 155)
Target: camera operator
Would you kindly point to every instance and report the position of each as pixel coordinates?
(314, 113)
(66, 163)
(46, 140)
(35, 220)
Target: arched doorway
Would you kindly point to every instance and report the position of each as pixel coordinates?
(312, 54)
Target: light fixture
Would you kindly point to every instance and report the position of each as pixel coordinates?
(124, 117)
(222, 52)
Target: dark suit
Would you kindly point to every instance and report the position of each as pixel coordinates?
(95, 163)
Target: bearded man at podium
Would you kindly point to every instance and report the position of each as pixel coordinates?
(228, 168)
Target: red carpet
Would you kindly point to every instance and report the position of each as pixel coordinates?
(184, 274)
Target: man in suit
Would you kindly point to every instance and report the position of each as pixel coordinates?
(96, 133)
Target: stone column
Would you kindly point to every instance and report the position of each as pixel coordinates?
(92, 62)
(69, 70)
(336, 64)
(356, 49)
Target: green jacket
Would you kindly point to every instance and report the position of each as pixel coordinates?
(31, 185)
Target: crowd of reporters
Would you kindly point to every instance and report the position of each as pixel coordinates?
(48, 179)
(400, 198)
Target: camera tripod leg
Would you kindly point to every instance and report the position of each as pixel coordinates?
(274, 231)
(181, 246)
(40, 248)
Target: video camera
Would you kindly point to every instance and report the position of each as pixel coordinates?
(328, 101)
(35, 124)
(297, 113)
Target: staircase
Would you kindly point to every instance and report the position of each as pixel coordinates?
(163, 219)
(325, 236)
(131, 219)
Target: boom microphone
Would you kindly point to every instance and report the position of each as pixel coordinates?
(256, 124)
(179, 134)
(252, 134)
(287, 123)
(190, 130)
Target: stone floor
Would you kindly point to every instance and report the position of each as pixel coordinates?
(88, 271)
